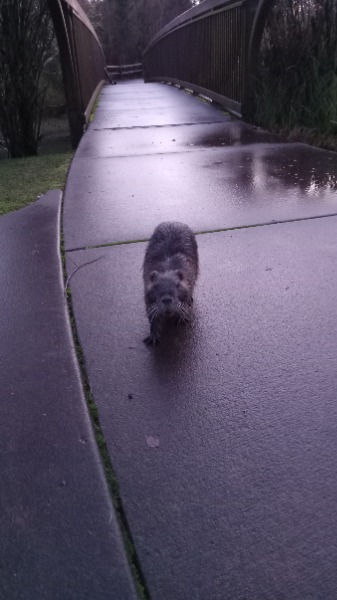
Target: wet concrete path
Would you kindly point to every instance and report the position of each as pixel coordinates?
(59, 536)
(223, 439)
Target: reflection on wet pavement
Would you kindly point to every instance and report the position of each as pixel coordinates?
(285, 166)
(218, 174)
(234, 133)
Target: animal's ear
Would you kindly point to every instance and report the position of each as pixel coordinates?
(153, 276)
(180, 275)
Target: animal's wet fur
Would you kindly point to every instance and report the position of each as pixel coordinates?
(170, 271)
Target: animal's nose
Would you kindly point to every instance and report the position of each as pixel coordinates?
(166, 300)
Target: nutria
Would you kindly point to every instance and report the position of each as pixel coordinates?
(170, 271)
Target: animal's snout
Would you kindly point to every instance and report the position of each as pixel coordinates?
(167, 305)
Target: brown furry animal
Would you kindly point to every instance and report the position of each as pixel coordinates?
(170, 270)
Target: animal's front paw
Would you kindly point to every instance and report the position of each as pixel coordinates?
(151, 340)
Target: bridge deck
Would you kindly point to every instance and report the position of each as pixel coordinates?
(223, 439)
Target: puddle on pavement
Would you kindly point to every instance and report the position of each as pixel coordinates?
(278, 168)
(232, 134)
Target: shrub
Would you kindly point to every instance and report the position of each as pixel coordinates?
(25, 39)
(297, 81)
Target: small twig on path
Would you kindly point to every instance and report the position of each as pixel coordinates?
(89, 262)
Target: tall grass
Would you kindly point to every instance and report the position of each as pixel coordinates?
(297, 78)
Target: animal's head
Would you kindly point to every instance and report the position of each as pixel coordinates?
(167, 295)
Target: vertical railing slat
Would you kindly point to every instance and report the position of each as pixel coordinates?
(82, 62)
(210, 46)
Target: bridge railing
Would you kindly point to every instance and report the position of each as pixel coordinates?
(125, 71)
(82, 62)
(211, 49)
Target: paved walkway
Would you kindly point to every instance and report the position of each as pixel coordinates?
(223, 438)
(59, 538)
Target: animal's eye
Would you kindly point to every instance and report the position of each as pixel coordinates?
(151, 296)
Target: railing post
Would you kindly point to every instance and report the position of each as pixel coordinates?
(69, 71)
(256, 14)
(247, 98)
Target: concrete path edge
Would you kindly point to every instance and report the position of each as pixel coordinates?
(59, 532)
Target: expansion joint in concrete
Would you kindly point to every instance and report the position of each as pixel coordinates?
(155, 126)
(203, 232)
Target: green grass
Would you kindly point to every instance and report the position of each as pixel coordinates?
(23, 180)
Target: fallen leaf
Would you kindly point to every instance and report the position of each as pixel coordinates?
(152, 442)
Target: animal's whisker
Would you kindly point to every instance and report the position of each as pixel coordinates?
(152, 312)
(184, 312)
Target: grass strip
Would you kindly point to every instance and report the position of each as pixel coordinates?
(23, 180)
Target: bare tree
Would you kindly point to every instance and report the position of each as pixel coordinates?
(25, 40)
(126, 26)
